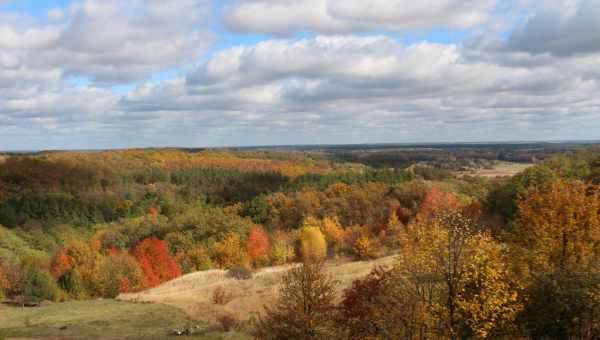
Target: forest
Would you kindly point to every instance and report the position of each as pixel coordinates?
(513, 257)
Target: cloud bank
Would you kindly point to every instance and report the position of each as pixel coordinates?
(109, 73)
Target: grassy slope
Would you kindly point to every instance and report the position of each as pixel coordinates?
(101, 319)
(193, 293)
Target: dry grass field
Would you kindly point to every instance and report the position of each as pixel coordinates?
(501, 169)
(193, 293)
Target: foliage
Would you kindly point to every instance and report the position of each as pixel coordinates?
(363, 248)
(229, 252)
(563, 305)
(258, 243)
(39, 285)
(155, 262)
(304, 308)
(313, 246)
(558, 225)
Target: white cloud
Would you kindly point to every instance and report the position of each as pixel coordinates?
(113, 41)
(282, 17)
(562, 29)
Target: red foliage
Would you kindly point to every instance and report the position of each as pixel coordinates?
(153, 213)
(437, 201)
(154, 259)
(60, 263)
(258, 243)
(124, 285)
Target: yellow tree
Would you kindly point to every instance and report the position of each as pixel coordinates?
(313, 246)
(558, 225)
(459, 277)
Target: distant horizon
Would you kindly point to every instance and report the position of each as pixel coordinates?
(283, 146)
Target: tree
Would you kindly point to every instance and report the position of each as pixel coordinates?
(60, 263)
(334, 233)
(154, 260)
(258, 243)
(436, 202)
(230, 253)
(460, 277)
(564, 304)
(305, 307)
(313, 246)
(558, 225)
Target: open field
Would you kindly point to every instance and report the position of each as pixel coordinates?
(193, 293)
(501, 169)
(98, 319)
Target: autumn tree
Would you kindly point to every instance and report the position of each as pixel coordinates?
(313, 245)
(305, 307)
(460, 277)
(257, 245)
(230, 252)
(334, 233)
(60, 263)
(558, 225)
(155, 262)
(436, 202)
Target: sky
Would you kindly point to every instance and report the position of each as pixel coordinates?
(100, 74)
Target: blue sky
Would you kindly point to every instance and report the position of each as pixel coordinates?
(112, 74)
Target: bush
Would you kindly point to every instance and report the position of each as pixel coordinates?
(39, 285)
(228, 322)
(221, 297)
(363, 248)
(281, 252)
(72, 283)
(313, 246)
(239, 273)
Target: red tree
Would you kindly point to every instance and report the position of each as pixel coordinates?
(258, 243)
(437, 201)
(154, 259)
(60, 263)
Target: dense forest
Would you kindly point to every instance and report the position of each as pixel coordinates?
(498, 258)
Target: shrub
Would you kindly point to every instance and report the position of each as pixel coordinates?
(281, 252)
(72, 283)
(39, 285)
(305, 308)
(119, 273)
(313, 246)
(228, 322)
(239, 273)
(221, 297)
(363, 248)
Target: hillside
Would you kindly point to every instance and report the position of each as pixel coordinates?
(193, 292)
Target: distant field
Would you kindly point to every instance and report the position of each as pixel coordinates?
(193, 293)
(501, 169)
(99, 319)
